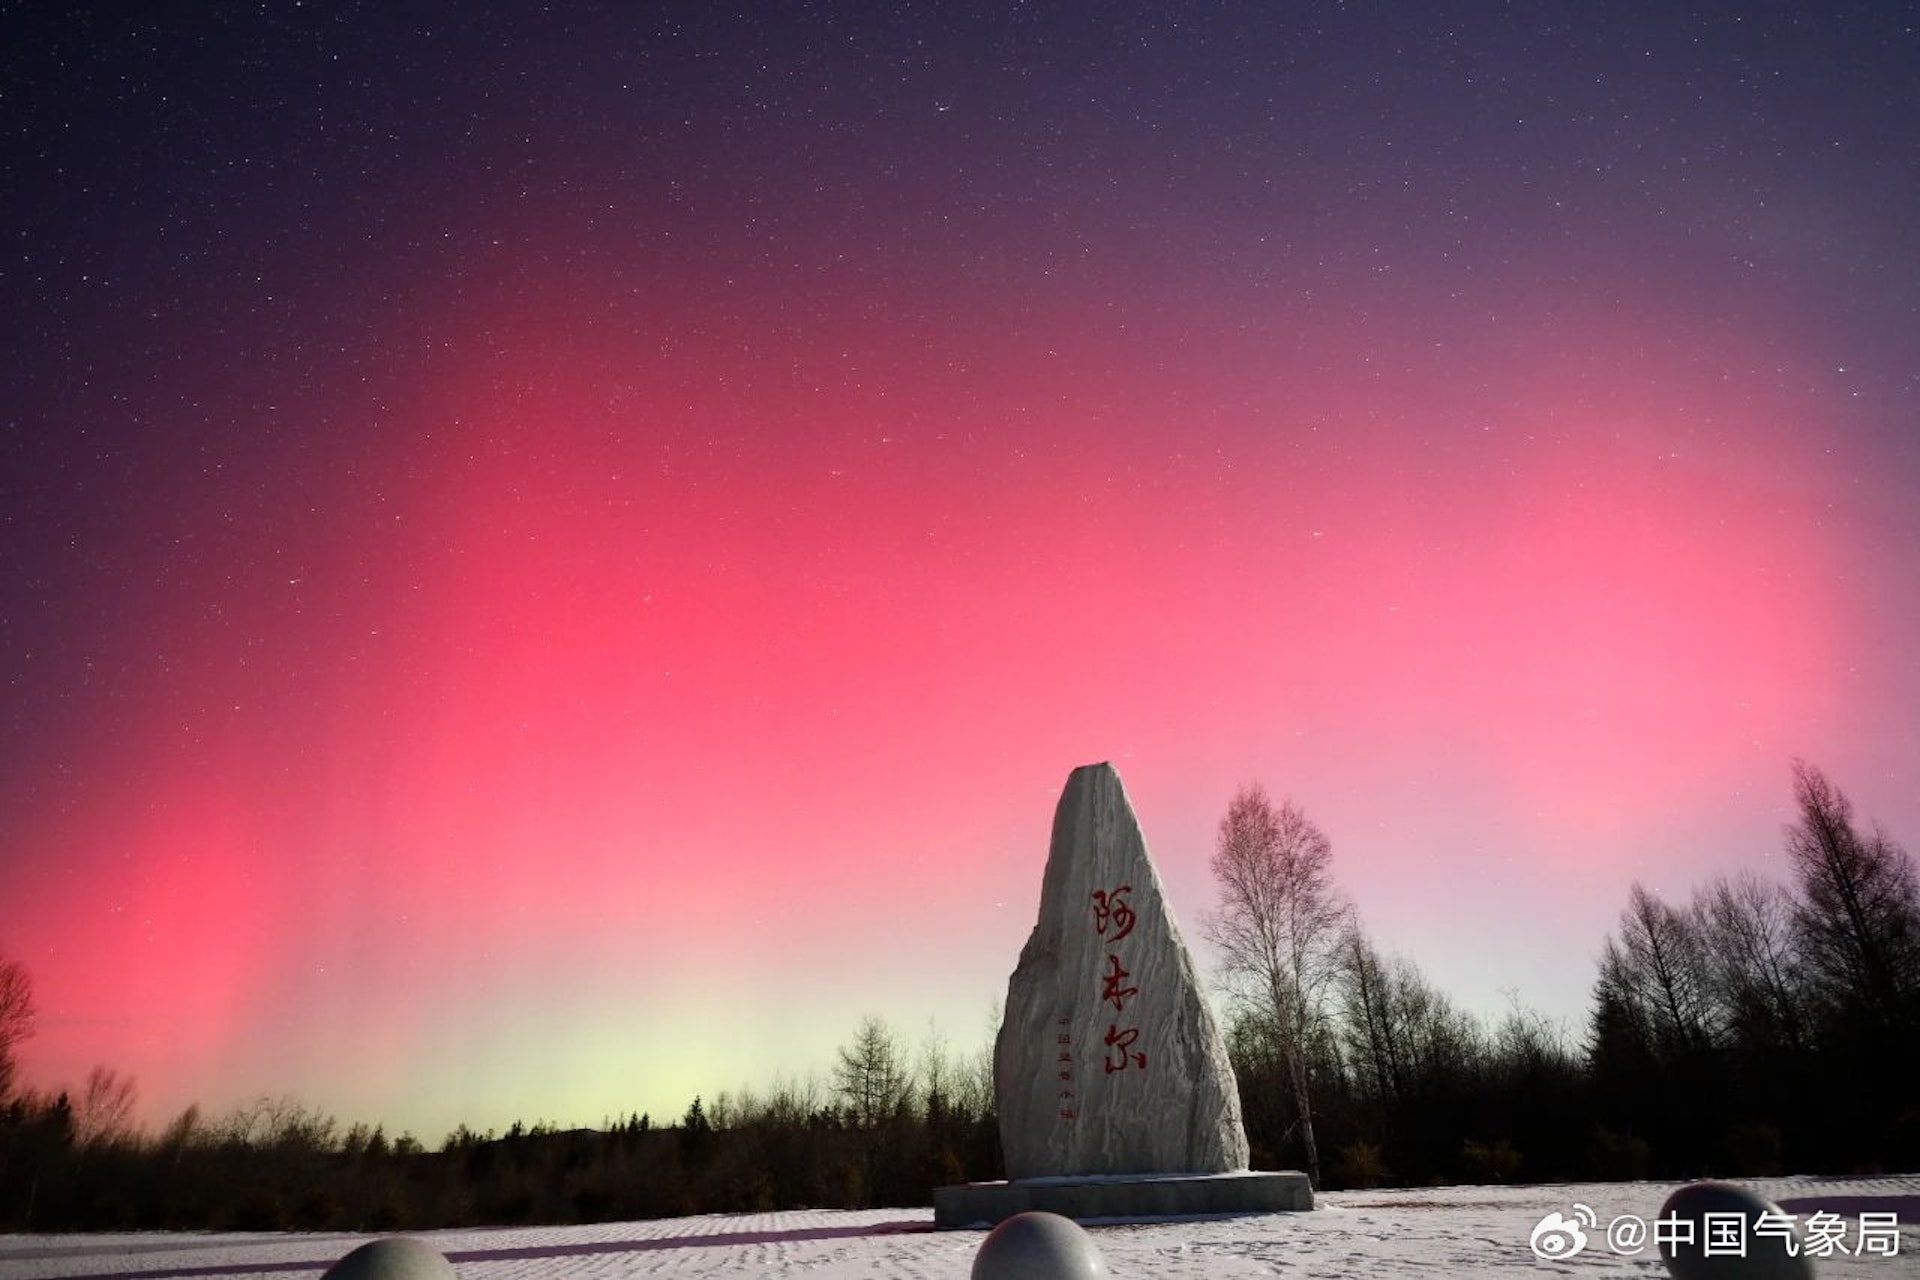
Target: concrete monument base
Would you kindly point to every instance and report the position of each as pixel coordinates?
(982, 1204)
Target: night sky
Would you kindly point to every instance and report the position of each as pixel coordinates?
(551, 560)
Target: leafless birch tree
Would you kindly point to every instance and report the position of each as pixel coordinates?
(1279, 929)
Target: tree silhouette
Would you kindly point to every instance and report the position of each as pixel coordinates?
(871, 1074)
(17, 1015)
(696, 1135)
(1371, 1036)
(104, 1112)
(1746, 930)
(1856, 928)
(1660, 966)
(1858, 918)
(1279, 928)
(1652, 1049)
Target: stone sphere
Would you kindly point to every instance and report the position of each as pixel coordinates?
(395, 1258)
(1039, 1246)
(1766, 1257)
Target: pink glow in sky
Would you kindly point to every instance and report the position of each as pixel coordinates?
(593, 645)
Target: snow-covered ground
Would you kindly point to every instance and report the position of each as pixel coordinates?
(1353, 1235)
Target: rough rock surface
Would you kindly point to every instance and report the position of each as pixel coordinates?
(1109, 1060)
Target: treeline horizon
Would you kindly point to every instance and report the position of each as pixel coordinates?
(1758, 1028)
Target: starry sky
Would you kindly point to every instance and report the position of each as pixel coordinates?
(553, 558)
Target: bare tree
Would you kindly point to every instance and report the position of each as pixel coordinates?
(793, 1101)
(1441, 1039)
(936, 1071)
(1857, 920)
(872, 1074)
(1660, 966)
(103, 1114)
(1279, 929)
(1746, 929)
(17, 1015)
(1399, 1032)
(284, 1123)
(1620, 1034)
(185, 1129)
(1371, 1036)
(1526, 1043)
(973, 1074)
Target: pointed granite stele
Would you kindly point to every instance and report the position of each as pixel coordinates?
(1115, 1094)
(1109, 1059)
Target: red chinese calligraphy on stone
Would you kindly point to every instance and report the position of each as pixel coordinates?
(1113, 990)
(1122, 1042)
(1110, 908)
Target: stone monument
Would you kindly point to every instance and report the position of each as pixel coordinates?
(1111, 1076)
